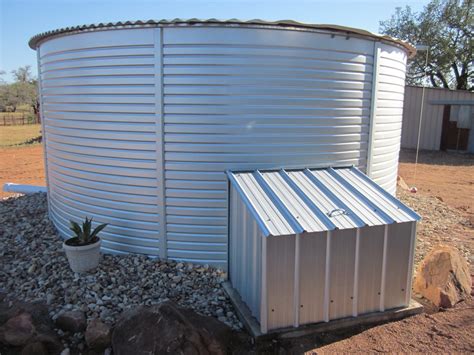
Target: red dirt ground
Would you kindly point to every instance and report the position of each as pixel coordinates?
(22, 165)
(448, 176)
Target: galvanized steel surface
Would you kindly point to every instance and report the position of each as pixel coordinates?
(432, 119)
(141, 124)
(35, 40)
(291, 202)
(325, 244)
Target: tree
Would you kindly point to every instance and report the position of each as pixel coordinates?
(446, 27)
(22, 91)
(23, 74)
(13, 95)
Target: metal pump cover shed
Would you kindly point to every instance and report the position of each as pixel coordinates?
(314, 245)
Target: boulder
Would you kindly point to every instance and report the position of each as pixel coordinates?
(167, 329)
(26, 326)
(72, 321)
(35, 348)
(443, 277)
(98, 335)
(18, 330)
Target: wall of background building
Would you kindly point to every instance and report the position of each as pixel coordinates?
(432, 119)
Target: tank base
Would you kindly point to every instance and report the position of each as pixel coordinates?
(253, 326)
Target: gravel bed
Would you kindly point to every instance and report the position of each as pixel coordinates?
(440, 224)
(34, 267)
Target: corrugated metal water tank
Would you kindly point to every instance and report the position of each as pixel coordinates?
(142, 119)
(310, 246)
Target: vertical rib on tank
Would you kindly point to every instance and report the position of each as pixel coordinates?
(237, 100)
(99, 121)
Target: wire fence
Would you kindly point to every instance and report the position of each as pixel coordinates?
(24, 118)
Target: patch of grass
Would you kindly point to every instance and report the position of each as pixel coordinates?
(14, 135)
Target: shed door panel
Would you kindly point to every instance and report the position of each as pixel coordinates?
(370, 269)
(280, 281)
(342, 261)
(312, 275)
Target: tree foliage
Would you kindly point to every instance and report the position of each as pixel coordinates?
(446, 27)
(22, 91)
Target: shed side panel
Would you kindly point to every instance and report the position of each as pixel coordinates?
(397, 264)
(245, 254)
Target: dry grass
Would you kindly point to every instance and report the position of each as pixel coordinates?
(14, 135)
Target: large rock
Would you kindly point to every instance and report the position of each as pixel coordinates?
(443, 277)
(35, 348)
(167, 329)
(98, 335)
(18, 330)
(72, 321)
(27, 327)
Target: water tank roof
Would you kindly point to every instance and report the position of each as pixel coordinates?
(289, 24)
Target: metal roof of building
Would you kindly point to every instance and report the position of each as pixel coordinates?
(288, 202)
(35, 40)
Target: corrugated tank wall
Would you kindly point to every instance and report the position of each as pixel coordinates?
(141, 124)
(98, 105)
(237, 100)
(387, 128)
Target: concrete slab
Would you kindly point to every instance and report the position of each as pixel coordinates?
(253, 326)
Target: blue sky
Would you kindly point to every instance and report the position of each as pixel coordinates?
(21, 19)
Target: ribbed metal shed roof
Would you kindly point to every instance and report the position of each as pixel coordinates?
(297, 201)
(35, 40)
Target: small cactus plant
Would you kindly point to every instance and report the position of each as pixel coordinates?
(85, 235)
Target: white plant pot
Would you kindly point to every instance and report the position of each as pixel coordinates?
(83, 258)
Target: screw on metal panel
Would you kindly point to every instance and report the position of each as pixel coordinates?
(273, 310)
(378, 293)
(332, 301)
(403, 289)
(352, 298)
(301, 305)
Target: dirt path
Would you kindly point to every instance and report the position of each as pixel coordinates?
(444, 332)
(22, 165)
(447, 176)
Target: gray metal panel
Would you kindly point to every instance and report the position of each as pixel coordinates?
(280, 280)
(388, 116)
(234, 100)
(100, 131)
(370, 265)
(397, 264)
(124, 107)
(245, 254)
(334, 30)
(285, 203)
(312, 277)
(341, 264)
(432, 119)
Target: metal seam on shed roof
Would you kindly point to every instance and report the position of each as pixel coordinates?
(317, 200)
(35, 40)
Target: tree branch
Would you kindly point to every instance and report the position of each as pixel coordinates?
(441, 77)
